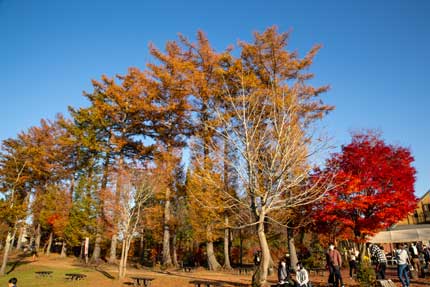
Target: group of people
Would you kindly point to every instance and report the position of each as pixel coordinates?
(284, 274)
(416, 251)
(405, 256)
(334, 264)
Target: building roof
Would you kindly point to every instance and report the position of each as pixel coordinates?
(424, 195)
(408, 226)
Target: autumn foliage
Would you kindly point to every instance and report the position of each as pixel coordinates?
(372, 188)
(196, 146)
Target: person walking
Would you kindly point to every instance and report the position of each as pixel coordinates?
(377, 252)
(402, 259)
(334, 263)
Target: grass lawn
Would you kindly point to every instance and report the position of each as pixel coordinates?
(24, 270)
(104, 275)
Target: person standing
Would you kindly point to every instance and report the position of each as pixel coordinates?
(352, 258)
(426, 251)
(283, 272)
(413, 251)
(402, 265)
(33, 251)
(334, 263)
(257, 258)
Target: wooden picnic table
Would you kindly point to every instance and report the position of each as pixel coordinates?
(75, 276)
(43, 273)
(207, 283)
(142, 281)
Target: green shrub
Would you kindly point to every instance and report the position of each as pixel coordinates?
(366, 273)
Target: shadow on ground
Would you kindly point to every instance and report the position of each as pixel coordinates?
(18, 262)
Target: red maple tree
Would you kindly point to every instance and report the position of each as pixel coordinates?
(373, 187)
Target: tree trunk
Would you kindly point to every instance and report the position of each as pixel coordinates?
(363, 250)
(212, 262)
(123, 261)
(227, 264)
(100, 226)
(292, 249)
(141, 246)
(97, 249)
(38, 236)
(6, 252)
(113, 243)
(48, 248)
(12, 243)
(260, 276)
(167, 259)
(81, 254)
(240, 247)
(63, 250)
(175, 254)
(20, 238)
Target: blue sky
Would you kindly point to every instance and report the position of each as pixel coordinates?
(375, 56)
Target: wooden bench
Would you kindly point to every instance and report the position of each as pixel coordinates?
(142, 281)
(75, 276)
(43, 273)
(199, 283)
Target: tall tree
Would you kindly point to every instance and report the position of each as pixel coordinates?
(206, 205)
(116, 122)
(169, 89)
(13, 164)
(206, 86)
(372, 180)
(274, 108)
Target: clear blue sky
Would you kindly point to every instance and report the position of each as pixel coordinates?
(375, 56)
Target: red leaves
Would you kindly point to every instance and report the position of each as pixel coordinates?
(373, 185)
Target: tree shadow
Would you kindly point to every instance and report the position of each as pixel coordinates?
(105, 273)
(18, 262)
(191, 277)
